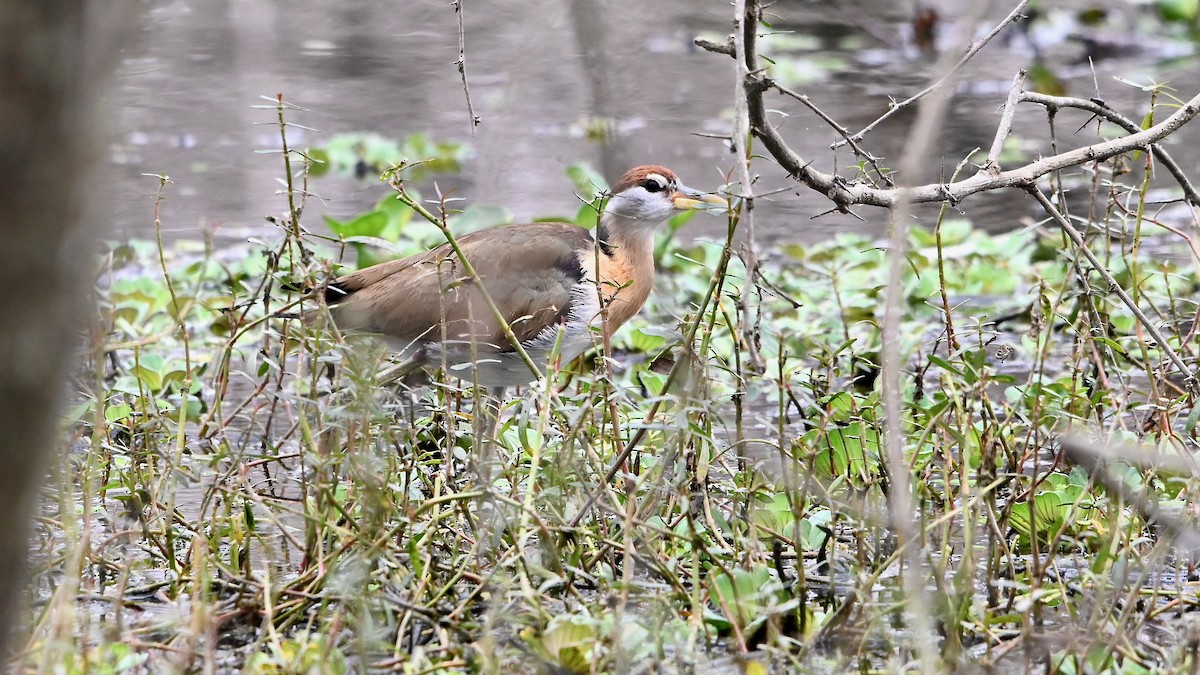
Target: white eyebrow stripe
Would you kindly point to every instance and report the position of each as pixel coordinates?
(660, 178)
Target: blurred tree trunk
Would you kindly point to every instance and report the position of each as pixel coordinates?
(54, 55)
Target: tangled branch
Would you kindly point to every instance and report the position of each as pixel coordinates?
(846, 193)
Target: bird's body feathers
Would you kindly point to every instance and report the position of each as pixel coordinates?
(558, 287)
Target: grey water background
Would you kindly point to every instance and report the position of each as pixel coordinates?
(540, 74)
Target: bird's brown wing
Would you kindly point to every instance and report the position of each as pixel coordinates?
(528, 270)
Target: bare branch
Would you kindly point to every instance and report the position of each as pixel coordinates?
(1077, 238)
(1101, 110)
(462, 65)
(992, 165)
(1012, 17)
(725, 48)
(842, 131)
(845, 194)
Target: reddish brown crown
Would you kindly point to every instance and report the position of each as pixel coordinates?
(638, 174)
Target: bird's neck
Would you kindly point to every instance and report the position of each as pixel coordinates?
(624, 267)
(624, 238)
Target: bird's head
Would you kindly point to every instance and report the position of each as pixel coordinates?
(651, 194)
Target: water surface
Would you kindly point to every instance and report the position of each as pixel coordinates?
(540, 74)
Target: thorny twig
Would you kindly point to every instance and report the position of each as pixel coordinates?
(1114, 286)
(845, 194)
(462, 65)
(858, 150)
(1006, 121)
(1099, 109)
(1013, 16)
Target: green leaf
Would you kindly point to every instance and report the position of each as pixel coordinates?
(114, 414)
(945, 365)
(319, 164)
(840, 406)
(149, 371)
(587, 217)
(813, 529)
(647, 339)
(370, 224)
(587, 180)
(749, 595)
(1182, 11)
(568, 642)
(76, 412)
(774, 514)
(193, 408)
(1046, 516)
(1111, 344)
(955, 231)
(375, 242)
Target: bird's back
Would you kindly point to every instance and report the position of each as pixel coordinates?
(530, 271)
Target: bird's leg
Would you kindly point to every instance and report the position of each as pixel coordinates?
(405, 380)
(494, 397)
(492, 519)
(486, 424)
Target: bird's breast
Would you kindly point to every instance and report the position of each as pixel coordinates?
(622, 282)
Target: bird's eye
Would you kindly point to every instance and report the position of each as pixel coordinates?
(653, 185)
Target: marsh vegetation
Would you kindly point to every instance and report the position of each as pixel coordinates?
(243, 487)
